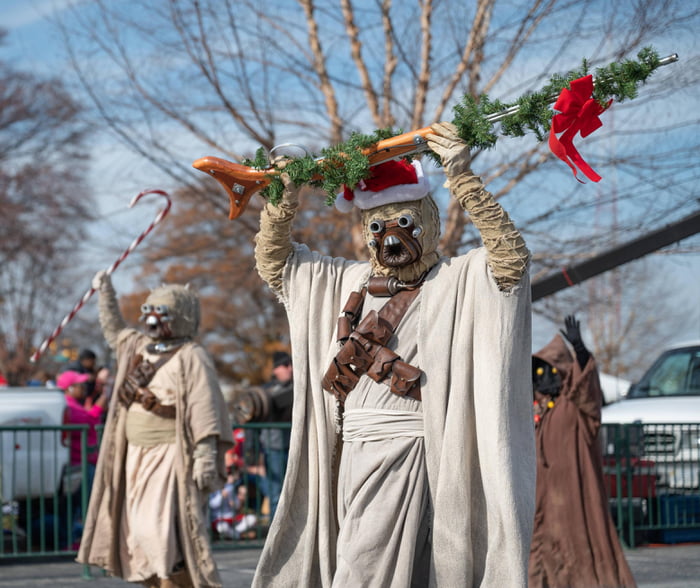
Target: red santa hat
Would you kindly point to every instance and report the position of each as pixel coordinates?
(389, 182)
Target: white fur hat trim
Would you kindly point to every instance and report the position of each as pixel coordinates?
(365, 199)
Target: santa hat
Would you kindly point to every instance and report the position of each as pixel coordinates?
(389, 182)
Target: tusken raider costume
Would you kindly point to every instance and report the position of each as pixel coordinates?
(163, 447)
(412, 457)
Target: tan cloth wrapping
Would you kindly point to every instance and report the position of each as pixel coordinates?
(111, 319)
(273, 243)
(146, 429)
(428, 217)
(506, 250)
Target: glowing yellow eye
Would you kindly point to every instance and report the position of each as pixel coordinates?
(550, 404)
(554, 370)
(539, 371)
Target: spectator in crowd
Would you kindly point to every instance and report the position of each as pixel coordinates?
(104, 381)
(574, 542)
(85, 364)
(74, 385)
(42, 378)
(275, 441)
(227, 508)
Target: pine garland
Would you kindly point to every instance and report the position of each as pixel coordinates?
(346, 164)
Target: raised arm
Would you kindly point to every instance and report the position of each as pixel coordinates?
(572, 333)
(111, 319)
(506, 250)
(273, 243)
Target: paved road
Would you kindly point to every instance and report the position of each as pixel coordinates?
(668, 566)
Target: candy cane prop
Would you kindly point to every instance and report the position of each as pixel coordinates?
(114, 266)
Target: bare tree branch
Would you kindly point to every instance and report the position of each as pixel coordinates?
(319, 64)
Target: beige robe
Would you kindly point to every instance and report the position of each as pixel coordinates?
(473, 343)
(201, 412)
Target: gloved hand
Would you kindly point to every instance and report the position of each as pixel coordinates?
(573, 334)
(204, 471)
(453, 151)
(573, 331)
(100, 278)
(290, 197)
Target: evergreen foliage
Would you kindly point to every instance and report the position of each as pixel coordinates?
(347, 164)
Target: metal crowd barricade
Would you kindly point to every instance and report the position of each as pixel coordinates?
(42, 505)
(652, 473)
(250, 455)
(46, 524)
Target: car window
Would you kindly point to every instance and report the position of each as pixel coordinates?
(675, 373)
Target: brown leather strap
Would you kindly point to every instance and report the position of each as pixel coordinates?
(139, 375)
(396, 307)
(364, 348)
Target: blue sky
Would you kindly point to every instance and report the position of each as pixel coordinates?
(117, 175)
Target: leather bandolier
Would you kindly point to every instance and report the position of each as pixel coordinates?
(364, 349)
(134, 388)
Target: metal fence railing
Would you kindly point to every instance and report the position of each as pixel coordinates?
(652, 471)
(652, 474)
(43, 494)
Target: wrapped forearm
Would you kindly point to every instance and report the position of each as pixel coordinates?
(506, 250)
(111, 319)
(273, 243)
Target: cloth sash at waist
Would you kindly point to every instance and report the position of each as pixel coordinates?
(364, 424)
(146, 429)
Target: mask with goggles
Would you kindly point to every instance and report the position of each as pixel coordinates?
(171, 312)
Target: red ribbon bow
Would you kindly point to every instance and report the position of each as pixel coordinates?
(578, 112)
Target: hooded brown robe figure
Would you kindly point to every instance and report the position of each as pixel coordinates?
(574, 542)
(162, 452)
(412, 453)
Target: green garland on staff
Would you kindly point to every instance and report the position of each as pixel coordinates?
(346, 164)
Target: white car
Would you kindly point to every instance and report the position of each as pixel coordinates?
(32, 461)
(666, 405)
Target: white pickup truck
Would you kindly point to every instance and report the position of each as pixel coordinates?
(32, 462)
(665, 404)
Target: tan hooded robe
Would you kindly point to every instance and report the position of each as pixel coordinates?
(477, 449)
(574, 543)
(182, 525)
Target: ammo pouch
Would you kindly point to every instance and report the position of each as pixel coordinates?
(364, 349)
(140, 374)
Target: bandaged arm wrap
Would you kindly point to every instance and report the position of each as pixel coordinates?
(111, 319)
(506, 250)
(273, 243)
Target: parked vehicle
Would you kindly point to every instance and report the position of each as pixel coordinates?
(666, 404)
(32, 462)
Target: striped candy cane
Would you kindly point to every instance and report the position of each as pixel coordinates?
(115, 265)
